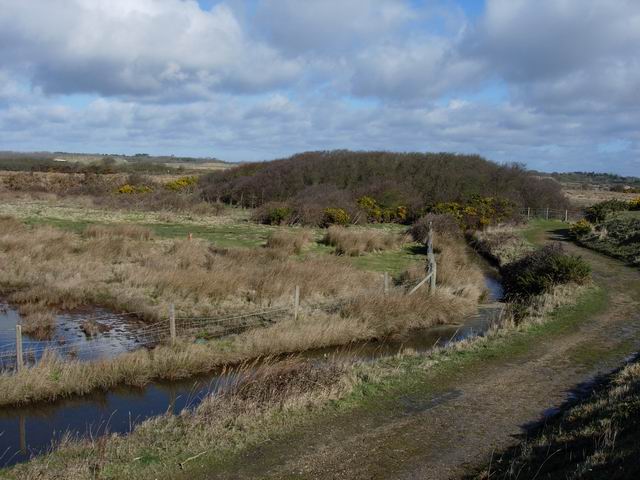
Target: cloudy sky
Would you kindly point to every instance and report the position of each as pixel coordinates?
(552, 83)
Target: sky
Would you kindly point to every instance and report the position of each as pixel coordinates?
(554, 84)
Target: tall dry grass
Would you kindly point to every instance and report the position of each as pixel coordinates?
(289, 242)
(134, 232)
(353, 242)
(125, 269)
(502, 244)
(37, 320)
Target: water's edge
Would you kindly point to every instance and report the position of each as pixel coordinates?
(34, 429)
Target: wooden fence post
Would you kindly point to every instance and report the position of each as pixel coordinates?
(386, 283)
(19, 356)
(296, 303)
(566, 216)
(434, 272)
(22, 433)
(528, 213)
(430, 239)
(172, 323)
(547, 214)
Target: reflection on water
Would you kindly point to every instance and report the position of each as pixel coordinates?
(68, 339)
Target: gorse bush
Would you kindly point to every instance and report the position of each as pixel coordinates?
(335, 216)
(377, 213)
(181, 184)
(132, 189)
(599, 212)
(541, 270)
(618, 237)
(581, 228)
(478, 212)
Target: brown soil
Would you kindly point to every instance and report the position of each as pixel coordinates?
(478, 411)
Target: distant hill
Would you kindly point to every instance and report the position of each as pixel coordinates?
(595, 179)
(103, 163)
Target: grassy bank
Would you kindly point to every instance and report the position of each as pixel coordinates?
(593, 439)
(215, 435)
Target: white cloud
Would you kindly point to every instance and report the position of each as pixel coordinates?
(141, 47)
(335, 26)
(251, 83)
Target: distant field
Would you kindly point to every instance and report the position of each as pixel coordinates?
(586, 198)
(200, 165)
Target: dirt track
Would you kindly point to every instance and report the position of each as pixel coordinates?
(481, 409)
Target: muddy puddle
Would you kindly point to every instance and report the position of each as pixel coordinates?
(33, 430)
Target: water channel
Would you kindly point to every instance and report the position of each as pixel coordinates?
(34, 429)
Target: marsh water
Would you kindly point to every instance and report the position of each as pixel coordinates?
(32, 430)
(118, 335)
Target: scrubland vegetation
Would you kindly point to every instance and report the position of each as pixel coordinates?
(341, 187)
(612, 227)
(531, 276)
(101, 164)
(168, 193)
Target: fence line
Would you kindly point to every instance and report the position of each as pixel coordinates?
(157, 332)
(565, 215)
(172, 327)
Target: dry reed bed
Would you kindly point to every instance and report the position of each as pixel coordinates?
(124, 269)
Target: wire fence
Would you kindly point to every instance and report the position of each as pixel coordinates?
(565, 215)
(174, 327)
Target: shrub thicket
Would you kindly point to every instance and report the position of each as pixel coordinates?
(541, 270)
(381, 186)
